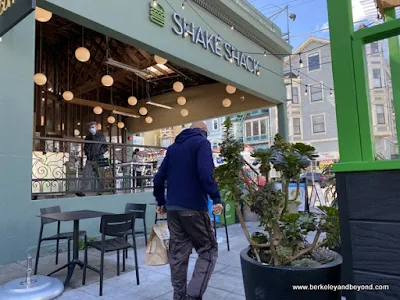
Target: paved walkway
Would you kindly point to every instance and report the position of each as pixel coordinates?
(226, 282)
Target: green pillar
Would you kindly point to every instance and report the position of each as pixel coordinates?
(344, 78)
(283, 121)
(394, 58)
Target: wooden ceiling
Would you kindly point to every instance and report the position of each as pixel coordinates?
(61, 37)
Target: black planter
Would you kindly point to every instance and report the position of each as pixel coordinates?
(265, 282)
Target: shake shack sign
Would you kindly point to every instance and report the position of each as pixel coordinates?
(12, 12)
(214, 44)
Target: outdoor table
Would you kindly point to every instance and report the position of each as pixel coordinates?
(73, 216)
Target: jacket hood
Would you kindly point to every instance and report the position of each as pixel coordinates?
(187, 134)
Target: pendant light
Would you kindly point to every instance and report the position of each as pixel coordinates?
(98, 110)
(226, 102)
(149, 120)
(42, 15)
(107, 80)
(111, 119)
(132, 100)
(181, 100)
(159, 60)
(230, 89)
(184, 112)
(82, 53)
(68, 95)
(40, 78)
(178, 86)
(121, 125)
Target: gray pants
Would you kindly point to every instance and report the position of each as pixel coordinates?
(93, 176)
(190, 229)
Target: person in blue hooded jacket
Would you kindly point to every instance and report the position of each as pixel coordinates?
(188, 172)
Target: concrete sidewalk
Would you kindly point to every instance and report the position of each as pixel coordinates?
(226, 282)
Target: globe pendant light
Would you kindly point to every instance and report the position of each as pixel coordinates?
(143, 111)
(181, 100)
(178, 86)
(68, 95)
(107, 80)
(40, 78)
(121, 125)
(82, 53)
(184, 112)
(230, 89)
(42, 15)
(149, 120)
(159, 60)
(97, 110)
(111, 120)
(226, 102)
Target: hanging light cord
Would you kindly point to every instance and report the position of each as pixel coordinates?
(83, 37)
(40, 49)
(68, 65)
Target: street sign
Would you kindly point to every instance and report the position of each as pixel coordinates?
(14, 11)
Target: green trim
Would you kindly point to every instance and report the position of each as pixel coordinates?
(394, 58)
(347, 115)
(377, 32)
(364, 166)
(363, 103)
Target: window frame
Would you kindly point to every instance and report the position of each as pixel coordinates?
(320, 86)
(299, 126)
(373, 78)
(319, 61)
(377, 114)
(259, 120)
(312, 124)
(213, 124)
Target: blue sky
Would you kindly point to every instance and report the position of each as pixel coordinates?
(311, 16)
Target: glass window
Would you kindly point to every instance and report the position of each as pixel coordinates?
(380, 114)
(296, 126)
(295, 95)
(263, 127)
(316, 93)
(318, 123)
(248, 129)
(313, 62)
(256, 128)
(377, 76)
(215, 124)
(374, 47)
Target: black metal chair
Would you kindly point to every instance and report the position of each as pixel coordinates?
(140, 213)
(56, 237)
(116, 226)
(226, 226)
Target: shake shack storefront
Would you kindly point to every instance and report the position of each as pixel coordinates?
(132, 66)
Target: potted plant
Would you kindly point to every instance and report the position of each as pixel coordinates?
(281, 257)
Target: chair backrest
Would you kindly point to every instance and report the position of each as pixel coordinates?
(117, 224)
(49, 210)
(138, 209)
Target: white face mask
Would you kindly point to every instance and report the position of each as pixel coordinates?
(92, 130)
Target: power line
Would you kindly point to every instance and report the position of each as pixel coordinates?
(260, 66)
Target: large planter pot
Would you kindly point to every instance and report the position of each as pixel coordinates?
(265, 282)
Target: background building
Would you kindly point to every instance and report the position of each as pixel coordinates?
(311, 99)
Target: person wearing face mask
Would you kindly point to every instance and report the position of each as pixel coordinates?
(188, 170)
(94, 153)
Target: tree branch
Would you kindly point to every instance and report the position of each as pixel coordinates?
(313, 246)
(246, 231)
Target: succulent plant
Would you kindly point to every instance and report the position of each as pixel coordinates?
(323, 255)
(304, 263)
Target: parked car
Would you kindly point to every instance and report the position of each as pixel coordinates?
(318, 177)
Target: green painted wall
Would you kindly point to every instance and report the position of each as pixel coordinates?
(19, 226)
(128, 21)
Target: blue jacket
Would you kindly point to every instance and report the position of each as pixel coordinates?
(188, 170)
